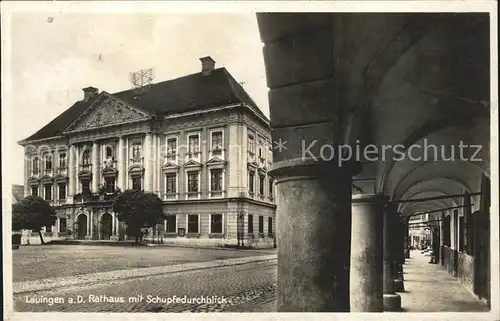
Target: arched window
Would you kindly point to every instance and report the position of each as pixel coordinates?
(86, 157)
(48, 161)
(109, 152)
(36, 164)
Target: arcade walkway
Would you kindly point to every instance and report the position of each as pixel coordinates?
(429, 288)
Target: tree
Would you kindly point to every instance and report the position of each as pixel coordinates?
(33, 213)
(138, 210)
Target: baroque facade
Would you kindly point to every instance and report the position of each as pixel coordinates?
(199, 142)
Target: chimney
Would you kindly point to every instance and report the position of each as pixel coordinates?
(207, 65)
(89, 92)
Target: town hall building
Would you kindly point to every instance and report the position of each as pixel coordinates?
(199, 142)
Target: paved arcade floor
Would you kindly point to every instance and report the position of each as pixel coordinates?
(429, 288)
(249, 287)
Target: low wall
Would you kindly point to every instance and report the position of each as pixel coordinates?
(33, 238)
(449, 260)
(459, 265)
(465, 270)
(256, 243)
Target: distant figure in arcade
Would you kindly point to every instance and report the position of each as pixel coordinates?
(435, 251)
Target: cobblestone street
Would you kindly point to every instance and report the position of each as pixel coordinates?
(245, 287)
(51, 261)
(239, 284)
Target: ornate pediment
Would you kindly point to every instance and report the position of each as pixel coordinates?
(107, 111)
(61, 178)
(109, 172)
(47, 179)
(33, 181)
(192, 163)
(253, 164)
(216, 161)
(170, 165)
(136, 168)
(84, 175)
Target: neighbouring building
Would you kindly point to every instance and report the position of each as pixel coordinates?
(17, 193)
(418, 231)
(199, 142)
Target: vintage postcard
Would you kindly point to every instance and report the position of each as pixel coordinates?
(253, 157)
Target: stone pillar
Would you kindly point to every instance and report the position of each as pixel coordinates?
(89, 218)
(155, 154)
(92, 224)
(77, 169)
(366, 282)
(113, 225)
(392, 301)
(407, 238)
(72, 171)
(95, 167)
(399, 257)
(98, 226)
(441, 238)
(314, 238)
(467, 212)
(148, 170)
(313, 191)
(27, 166)
(121, 164)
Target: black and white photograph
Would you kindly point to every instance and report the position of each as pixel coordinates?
(260, 158)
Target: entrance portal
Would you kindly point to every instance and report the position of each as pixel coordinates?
(106, 226)
(81, 226)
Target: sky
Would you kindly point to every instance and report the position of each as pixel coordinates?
(55, 55)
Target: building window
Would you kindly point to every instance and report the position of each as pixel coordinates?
(446, 231)
(62, 191)
(261, 184)
(109, 184)
(109, 152)
(251, 180)
(217, 143)
(48, 192)
(193, 226)
(86, 157)
(86, 187)
(48, 161)
(136, 183)
(62, 160)
(62, 225)
(171, 224)
(461, 234)
(251, 143)
(261, 224)
(136, 150)
(270, 225)
(216, 180)
(216, 223)
(193, 182)
(34, 191)
(271, 188)
(250, 224)
(171, 149)
(171, 183)
(36, 165)
(193, 145)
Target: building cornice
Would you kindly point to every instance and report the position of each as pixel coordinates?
(26, 142)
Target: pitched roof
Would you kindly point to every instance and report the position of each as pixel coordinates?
(188, 93)
(17, 193)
